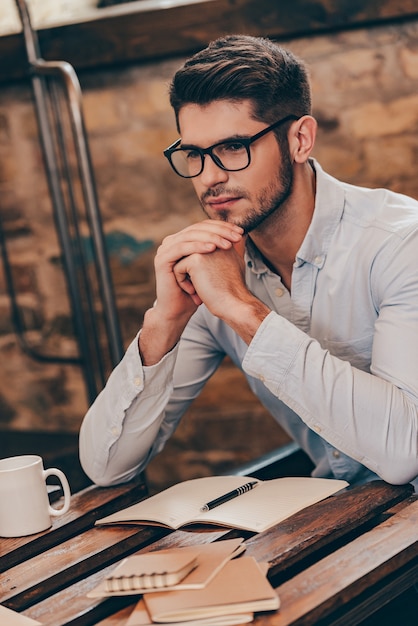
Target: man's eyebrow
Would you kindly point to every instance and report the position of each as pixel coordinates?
(228, 139)
(189, 145)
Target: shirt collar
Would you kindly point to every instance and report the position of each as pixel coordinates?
(328, 211)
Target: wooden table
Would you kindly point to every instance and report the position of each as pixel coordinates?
(336, 562)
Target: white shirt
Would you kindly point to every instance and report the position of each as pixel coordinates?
(335, 362)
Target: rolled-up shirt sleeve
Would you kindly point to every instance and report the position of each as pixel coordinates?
(349, 366)
(368, 417)
(116, 441)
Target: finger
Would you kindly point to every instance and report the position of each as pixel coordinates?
(219, 225)
(221, 234)
(171, 253)
(185, 283)
(216, 231)
(197, 301)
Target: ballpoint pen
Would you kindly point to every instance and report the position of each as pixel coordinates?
(229, 496)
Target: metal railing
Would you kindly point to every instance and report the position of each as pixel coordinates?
(68, 168)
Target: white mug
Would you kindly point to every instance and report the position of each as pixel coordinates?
(24, 502)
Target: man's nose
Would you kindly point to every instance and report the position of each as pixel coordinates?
(212, 173)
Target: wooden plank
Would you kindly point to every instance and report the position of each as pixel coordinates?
(38, 578)
(294, 540)
(149, 29)
(318, 529)
(71, 605)
(86, 507)
(383, 603)
(347, 573)
(121, 617)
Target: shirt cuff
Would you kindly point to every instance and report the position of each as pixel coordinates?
(136, 374)
(273, 350)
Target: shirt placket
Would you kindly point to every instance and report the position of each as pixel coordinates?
(303, 289)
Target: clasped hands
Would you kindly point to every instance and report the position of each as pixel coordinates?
(203, 263)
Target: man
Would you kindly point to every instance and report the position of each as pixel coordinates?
(309, 284)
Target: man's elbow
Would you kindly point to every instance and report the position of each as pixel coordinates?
(400, 473)
(105, 477)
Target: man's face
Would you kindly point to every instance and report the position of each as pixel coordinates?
(245, 197)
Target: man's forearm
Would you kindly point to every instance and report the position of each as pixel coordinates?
(122, 425)
(365, 416)
(159, 336)
(246, 317)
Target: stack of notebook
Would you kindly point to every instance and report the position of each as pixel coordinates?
(206, 585)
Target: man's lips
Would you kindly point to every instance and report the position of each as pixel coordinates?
(222, 202)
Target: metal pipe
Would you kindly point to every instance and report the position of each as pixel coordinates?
(66, 212)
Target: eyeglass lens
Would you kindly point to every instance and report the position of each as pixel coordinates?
(231, 155)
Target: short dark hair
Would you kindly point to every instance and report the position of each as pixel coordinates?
(241, 67)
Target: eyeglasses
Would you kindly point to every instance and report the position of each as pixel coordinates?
(231, 155)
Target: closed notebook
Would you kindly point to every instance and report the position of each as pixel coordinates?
(209, 557)
(152, 570)
(140, 617)
(240, 587)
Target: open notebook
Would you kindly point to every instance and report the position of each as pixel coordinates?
(270, 502)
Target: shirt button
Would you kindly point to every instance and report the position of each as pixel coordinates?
(318, 260)
(138, 381)
(317, 428)
(279, 292)
(115, 431)
(336, 454)
(261, 378)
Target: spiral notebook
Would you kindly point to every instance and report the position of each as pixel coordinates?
(153, 570)
(135, 574)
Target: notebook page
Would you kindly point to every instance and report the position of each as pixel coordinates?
(272, 501)
(180, 503)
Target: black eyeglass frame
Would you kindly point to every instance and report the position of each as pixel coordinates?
(245, 141)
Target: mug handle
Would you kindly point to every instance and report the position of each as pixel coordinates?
(53, 471)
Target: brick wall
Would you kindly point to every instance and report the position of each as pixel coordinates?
(365, 98)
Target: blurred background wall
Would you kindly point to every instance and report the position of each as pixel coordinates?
(364, 78)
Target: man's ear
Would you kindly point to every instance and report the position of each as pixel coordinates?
(302, 135)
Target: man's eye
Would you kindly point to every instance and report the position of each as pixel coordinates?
(191, 155)
(231, 147)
